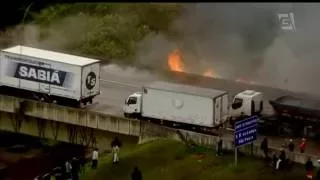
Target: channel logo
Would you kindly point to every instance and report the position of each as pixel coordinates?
(287, 22)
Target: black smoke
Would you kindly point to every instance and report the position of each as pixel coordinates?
(244, 40)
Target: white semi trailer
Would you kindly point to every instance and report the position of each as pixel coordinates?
(49, 76)
(189, 106)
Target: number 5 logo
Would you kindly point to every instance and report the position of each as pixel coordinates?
(287, 21)
(91, 80)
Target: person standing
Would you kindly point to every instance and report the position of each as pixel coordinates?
(274, 161)
(281, 159)
(291, 145)
(302, 145)
(309, 168)
(265, 147)
(115, 144)
(95, 156)
(75, 168)
(136, 174)
(68, 168)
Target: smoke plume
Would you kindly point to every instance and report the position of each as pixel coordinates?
(60, 35)
(131, 72)
(244, 40)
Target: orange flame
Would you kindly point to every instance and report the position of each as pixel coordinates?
(210, 73)
(175, 61)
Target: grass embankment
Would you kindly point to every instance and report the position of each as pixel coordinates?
(171, 160)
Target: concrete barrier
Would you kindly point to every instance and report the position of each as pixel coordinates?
(83, 117)
(9, 103)
(75, 116)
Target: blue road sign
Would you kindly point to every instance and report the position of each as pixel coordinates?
(245, 131)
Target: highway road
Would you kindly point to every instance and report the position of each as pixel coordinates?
(116, 84)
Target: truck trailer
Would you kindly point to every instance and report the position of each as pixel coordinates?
(49, 76)
(186, 106)
(205, 109)
(293, 116)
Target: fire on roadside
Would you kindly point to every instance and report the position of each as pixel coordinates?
(176, 63)
(210, 73)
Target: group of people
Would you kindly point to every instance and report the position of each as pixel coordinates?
(115, 146)
(68, 171)
(287, 145)
(281, 161)
(72, 169)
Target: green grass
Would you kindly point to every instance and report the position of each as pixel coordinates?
(171, 160)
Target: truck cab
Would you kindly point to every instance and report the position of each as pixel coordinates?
(132, 107)
(247, 103)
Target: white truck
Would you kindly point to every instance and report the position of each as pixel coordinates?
(49, 76)
(189, 106)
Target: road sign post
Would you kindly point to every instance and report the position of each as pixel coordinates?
(245, 133)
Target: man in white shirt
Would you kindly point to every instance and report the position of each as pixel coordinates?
(95, 156)
(68, 170)
(116, 144)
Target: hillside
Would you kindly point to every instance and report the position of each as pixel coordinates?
(108, 31)
(171, 160)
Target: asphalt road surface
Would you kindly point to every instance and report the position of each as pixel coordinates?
(117, 84)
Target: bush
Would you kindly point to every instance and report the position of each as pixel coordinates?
(112, 29)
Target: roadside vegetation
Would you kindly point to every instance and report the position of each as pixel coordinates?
(109, 31)
(171, 160)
